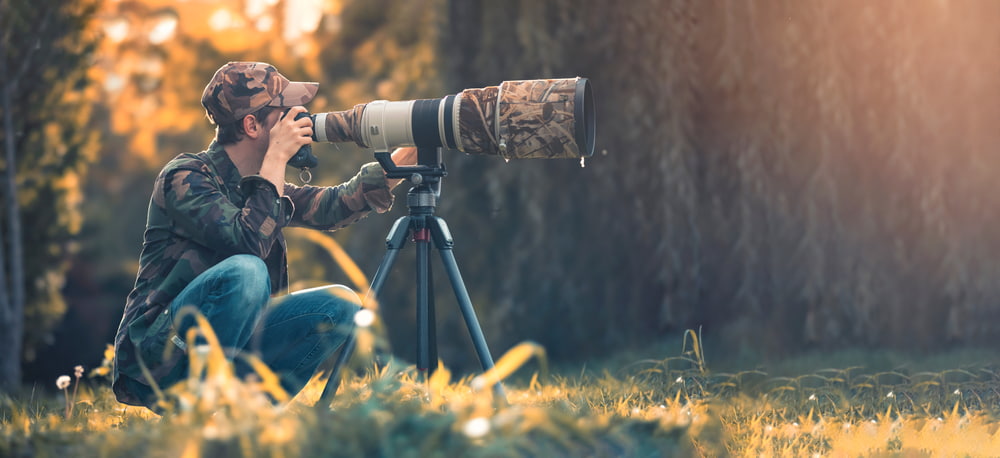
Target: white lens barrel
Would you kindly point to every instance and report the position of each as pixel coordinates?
(455, 137)
(319, 127)
(385, 125)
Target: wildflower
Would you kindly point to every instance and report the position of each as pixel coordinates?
(812, 397)
(891, 395)
(78, 372)
(63, 383)
(957, 392)
(679, 380)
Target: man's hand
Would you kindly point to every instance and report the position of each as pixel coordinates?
(289, 134)
(403, 157)
(285, 138)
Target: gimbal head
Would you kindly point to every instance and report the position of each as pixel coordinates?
(429, 169)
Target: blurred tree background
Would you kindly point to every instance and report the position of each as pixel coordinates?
(787, 174)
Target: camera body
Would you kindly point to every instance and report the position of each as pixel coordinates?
(304, 157)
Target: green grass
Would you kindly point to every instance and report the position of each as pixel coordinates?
(847, 403)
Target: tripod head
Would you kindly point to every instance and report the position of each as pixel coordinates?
(425, 176)
(429, 169)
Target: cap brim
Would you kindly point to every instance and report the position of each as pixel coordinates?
(296, 93)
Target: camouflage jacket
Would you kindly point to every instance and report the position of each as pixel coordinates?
(201, 212)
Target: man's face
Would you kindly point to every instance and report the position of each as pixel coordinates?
(267, 124)
(272, 118)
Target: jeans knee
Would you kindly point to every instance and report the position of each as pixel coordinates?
(250, 273)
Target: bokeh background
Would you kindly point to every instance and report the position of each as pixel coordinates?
(784, 175)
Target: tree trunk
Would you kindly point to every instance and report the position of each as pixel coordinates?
(12, 304)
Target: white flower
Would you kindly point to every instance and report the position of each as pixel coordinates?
(890, 395)
(364, 318)
(812, 397)
(476, 427)
(78, 371)
(62, 382)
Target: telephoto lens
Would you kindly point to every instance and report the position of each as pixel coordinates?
(545, 118)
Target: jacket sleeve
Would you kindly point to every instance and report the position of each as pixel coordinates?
(334, 207)
(201, 211)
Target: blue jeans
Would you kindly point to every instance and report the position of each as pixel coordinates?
(292, 334)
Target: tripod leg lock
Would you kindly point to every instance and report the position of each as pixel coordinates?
(440, 233)
(397, 235)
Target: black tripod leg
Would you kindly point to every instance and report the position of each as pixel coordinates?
(394, 242)
(425, 322)
(444, 243)
(432, 349)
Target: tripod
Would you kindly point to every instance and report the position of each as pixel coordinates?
(425, 229)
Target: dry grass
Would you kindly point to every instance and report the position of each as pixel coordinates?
(650, 408)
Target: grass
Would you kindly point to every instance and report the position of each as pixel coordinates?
(836, 403)
(646, 407)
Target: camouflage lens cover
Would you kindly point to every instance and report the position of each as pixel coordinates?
(530, 119)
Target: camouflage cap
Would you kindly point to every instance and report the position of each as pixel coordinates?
(241, 88)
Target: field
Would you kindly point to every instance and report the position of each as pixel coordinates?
(626, 406)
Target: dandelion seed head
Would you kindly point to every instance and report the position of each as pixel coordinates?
(63, 382)
(78, 371)
(364, 318)
(476, 427)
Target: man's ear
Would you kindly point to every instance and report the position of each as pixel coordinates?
(252, 128)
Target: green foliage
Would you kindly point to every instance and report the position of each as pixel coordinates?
(47, 51)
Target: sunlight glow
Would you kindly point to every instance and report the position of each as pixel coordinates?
(264, 23)
(164, 29)
(221, 19)
(114, 83)
(255, 8)
(116, 29)
(301, 17)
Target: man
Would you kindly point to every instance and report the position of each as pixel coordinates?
(213, 242)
